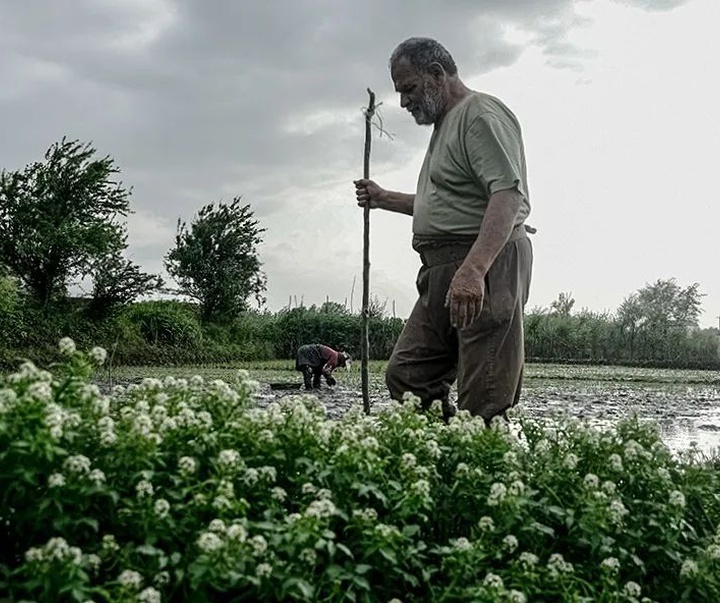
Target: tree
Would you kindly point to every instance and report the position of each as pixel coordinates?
(58, 216)
(215, 260)
(118, 281)
(658, 314)
(563, 304)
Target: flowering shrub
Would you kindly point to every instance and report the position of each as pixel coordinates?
(184, 490)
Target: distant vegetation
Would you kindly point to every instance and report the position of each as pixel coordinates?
(62, 223)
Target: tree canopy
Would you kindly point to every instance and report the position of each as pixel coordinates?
(215, 259)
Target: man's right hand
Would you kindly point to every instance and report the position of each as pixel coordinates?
(368, 193)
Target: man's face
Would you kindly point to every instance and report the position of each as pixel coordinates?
(420, 93)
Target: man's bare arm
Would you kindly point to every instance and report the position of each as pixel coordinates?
(368, 191)
(467, 288)
(497, 225)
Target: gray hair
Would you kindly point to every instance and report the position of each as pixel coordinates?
(421, 53)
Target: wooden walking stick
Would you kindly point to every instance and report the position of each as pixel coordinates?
(365, 341)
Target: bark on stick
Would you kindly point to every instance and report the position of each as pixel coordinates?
(365, 322)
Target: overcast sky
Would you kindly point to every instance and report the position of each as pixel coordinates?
(200, 101)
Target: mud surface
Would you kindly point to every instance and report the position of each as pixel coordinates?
(688, 414)
(685, 404)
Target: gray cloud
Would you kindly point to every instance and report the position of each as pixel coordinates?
(199, 101)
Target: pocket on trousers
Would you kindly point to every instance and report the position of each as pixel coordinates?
(501, 285)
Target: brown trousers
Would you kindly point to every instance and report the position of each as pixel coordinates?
(487, 357)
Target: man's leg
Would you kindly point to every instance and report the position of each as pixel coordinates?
(492, 354)
(307, 374)
(425, 355)
(317, 377)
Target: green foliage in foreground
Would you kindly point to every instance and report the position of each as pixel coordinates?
(185, 490)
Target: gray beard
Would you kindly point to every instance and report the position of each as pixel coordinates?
(430, 107)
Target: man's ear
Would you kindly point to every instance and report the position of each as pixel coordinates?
(437, 71)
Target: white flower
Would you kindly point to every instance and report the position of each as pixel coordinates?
(40, 390)
(421, 487)
(56, 480)
(308, 488)
(591, 480)
(98, 355)
(278, 493)
(130, 579)
(611, 564)
(367, 514)
(218, 526)
(433, 449)
(713, 551)
(493, 581)
(516, 488)
(144, 489)
(308, 556)
(689, 568)
(263, 570)
(616, 463)
(237, 532)
(497, 494)
(515, 596)
(97, 476)
(161, 507)
(663, 474)
(108, 438)
(408, 460)
(609, 487)
(321, 508)
(187, 465)
(228, 458)
(92, 562)
(632, 589)
(570, 461)
(251, 476)
(486, 524)
(209, 542)
(67, 346)
(461, 544)
(34, 554)
(529, 559)
(370, 443)
(221, 502)
(462, 469)
(258, 545)
(109, 544)
(617, 511)
(677, 499)
(510, 543)
(161, 579)
(557, 565)
(510, 458)
(78, 463)
(149, 595)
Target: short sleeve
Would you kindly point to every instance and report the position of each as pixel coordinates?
(494, 148)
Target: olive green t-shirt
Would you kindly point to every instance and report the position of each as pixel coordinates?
(476, 151)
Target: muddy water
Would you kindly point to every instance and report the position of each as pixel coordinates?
(688, 415)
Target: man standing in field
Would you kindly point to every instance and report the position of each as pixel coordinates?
(468, 227)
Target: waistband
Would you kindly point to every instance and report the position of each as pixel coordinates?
(456, 252)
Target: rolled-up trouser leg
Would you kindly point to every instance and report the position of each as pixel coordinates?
(424, 359)
(491, 350)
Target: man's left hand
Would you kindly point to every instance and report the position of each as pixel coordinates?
(465, 296)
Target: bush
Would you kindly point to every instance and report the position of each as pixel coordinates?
(181, 490)
(168, 323)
